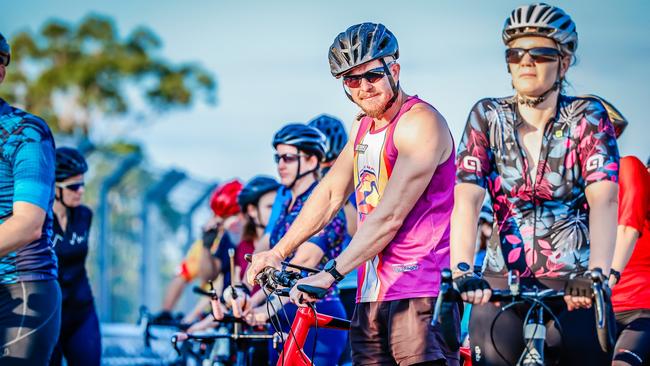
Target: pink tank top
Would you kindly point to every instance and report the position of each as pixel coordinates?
(409, 266)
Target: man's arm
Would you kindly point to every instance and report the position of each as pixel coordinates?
(23, 227)
(321, 206)
(423, 141)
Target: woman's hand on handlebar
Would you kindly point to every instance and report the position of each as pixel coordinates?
(578, 293)
(261, 260)
(473, 289)
(321, 279)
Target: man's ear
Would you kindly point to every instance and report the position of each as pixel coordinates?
(3, 71)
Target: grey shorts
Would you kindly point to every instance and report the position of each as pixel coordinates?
(398, 332)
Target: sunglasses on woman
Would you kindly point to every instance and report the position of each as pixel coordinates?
(539, 55)
(288, 158)
(71, 186)
(371, 76)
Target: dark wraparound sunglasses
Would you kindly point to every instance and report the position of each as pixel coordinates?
(539, 55)
(372, 76)
(71, 186)
(288, 158)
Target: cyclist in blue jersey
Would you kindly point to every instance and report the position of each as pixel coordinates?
(80, 340)
(299, 151)
(30, 297)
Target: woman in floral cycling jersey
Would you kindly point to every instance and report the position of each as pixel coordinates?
(550, 165)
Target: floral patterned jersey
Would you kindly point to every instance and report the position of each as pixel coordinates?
(543, 226)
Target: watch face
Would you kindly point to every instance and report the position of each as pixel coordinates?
(329, 265)
(463, 266)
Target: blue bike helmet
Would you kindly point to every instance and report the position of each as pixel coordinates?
(254, 189)
(303, 137)
(335, 133)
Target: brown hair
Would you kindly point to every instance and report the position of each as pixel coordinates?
(249, 233)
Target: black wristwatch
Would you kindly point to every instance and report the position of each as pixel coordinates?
(330, 267)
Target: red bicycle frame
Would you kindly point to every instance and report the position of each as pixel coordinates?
(293, 353)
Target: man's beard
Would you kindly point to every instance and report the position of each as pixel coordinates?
(374, 111)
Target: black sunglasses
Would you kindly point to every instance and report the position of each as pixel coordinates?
(539, 55)
(71, 186)
(372, 76)
(288, 158)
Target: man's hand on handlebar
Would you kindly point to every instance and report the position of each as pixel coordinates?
(473, 289)
(321, 279)
(261, 260)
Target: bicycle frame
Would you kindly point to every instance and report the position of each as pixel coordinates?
(293, 353)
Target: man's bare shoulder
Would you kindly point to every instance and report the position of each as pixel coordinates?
(421, 123)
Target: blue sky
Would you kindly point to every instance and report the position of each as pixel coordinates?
(270, 61)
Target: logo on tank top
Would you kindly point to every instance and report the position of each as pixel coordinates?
(367, 192)
(361, 148)
(405, 267)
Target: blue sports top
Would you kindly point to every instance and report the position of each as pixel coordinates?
(26, 175)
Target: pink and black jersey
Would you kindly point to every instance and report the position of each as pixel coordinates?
(409, 266)
(543, 224)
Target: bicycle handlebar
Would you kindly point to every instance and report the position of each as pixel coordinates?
(449, 294)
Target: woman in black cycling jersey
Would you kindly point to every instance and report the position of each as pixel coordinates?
(550, 164)
(80, 340)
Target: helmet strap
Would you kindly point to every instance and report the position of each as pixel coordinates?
(394, 86)
(60, 198)
(299, 175)
(257, 223)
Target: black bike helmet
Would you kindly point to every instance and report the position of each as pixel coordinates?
(541, 20)
(335, 133)
(69, 162)
(359, 44)
(305, 138)
(5, 51)
(254, 189)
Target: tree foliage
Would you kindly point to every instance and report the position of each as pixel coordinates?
(71, 73)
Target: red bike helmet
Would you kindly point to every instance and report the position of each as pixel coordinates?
(224, 199)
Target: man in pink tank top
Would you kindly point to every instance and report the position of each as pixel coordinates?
(400, 164)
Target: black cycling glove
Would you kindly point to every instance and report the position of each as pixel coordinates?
(470, 282)
(208, 237)
(579, 286)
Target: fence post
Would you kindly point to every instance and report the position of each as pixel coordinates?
(109, 182)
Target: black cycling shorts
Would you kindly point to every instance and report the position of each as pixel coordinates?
(30, 318)
(496, 337)
(633, 344)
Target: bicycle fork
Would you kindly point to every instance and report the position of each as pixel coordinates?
(535, 337)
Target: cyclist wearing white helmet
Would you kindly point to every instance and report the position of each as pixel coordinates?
(550, 165)
(401, 165)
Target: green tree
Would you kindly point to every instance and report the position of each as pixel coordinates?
(70, 73)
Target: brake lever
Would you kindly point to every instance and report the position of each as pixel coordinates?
(597, 287)
(445, 285)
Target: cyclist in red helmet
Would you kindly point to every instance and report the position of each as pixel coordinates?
(207, 258)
